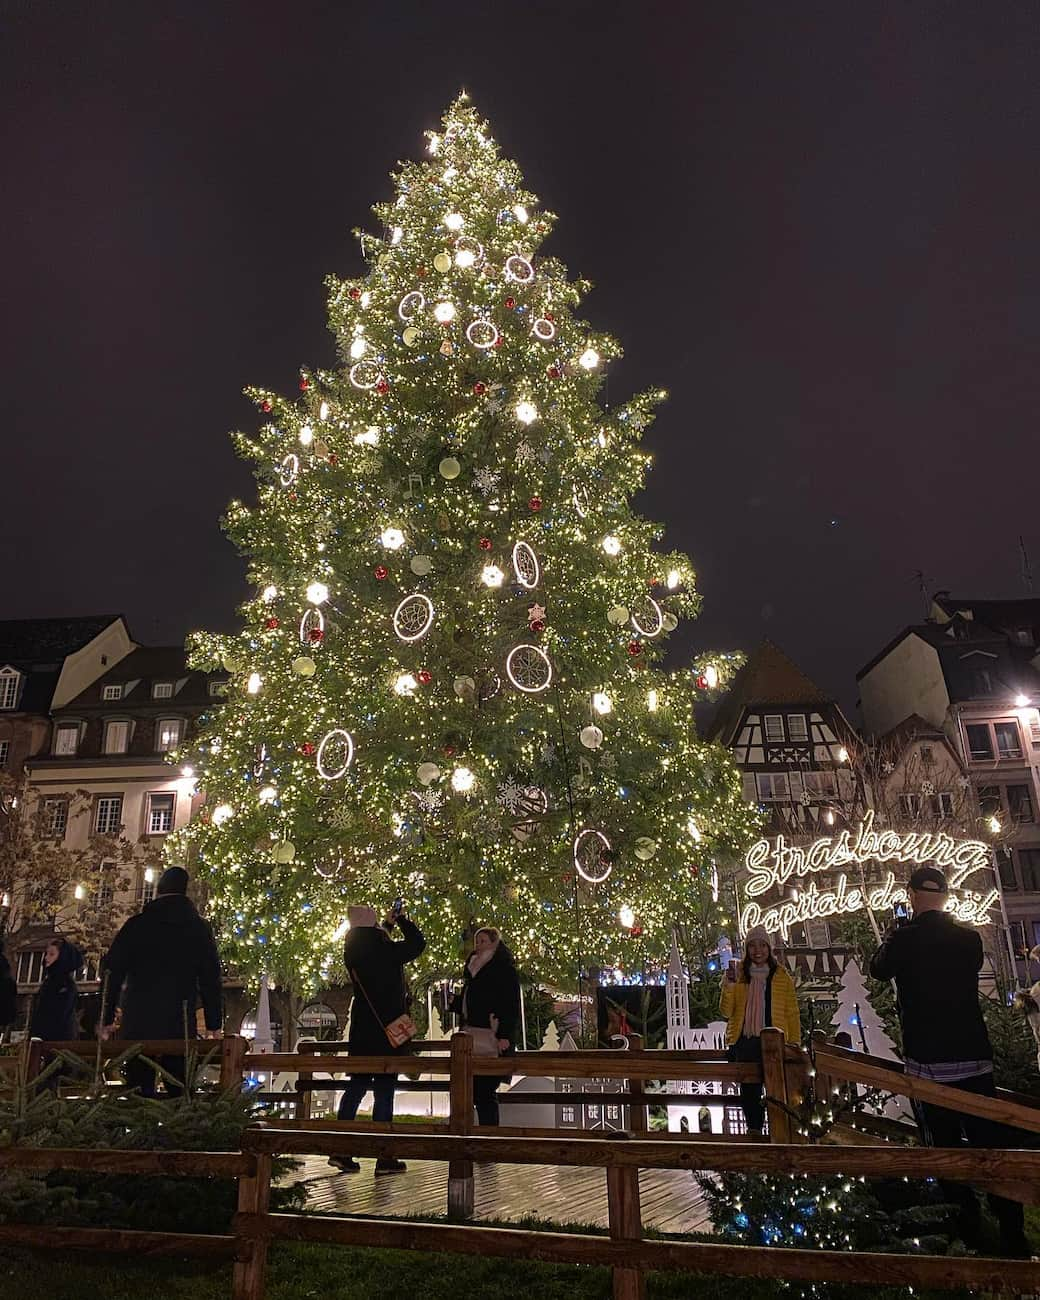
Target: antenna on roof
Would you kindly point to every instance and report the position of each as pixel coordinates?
(1027, 572)
(923, 584)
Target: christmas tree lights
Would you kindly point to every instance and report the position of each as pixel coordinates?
(443, 527)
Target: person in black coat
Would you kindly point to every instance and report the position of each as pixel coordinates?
(935, 962)
(489, 1005)
(375, 964)
(54, 1007)
(8, 992)
(163, 963)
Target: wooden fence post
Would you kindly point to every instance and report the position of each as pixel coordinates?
(254, 1198)
(626, 1224)
(460, 1119)
(33, 1059)
(303, 1099)
(775, 1081)
(638, 1116)
(232, 1052)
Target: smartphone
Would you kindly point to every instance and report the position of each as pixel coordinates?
(397, 908)
(731, 970)
(900, 912)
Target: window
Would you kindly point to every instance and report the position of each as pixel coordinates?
(66, 738)
(105, 891)
(980, 744)
(1006, 869)
(218, 688)
(1009, 742)
(909, 804)
(942, 804)
(774, 724)
(989, 801)
(927, 757)
(108, 816)
(112, 692)
(817, 934)
(981, 682)
(168, 733)
(55, 818)
(149, 880)
(796, 728)
(162, 691)
(5, 750)
(117, 737)
(30, 966)
(9, 680)
(160, 813)
(567, 1115)
(822, 785)
(1020, 805)
(1029, 865)
(772, 785)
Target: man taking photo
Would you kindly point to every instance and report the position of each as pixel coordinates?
(935, 962)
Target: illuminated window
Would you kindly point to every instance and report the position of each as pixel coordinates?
(774, 725)
(9, 679)
(160, 813)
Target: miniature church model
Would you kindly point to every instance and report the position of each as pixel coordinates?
(708, 1111)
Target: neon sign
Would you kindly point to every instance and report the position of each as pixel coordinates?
(772, 863)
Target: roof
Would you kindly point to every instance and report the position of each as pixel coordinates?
(27, 641)
(768, 677)
(138, 671)
(1000, 615)
(913, 727)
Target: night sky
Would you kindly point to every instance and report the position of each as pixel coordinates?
(816, 224)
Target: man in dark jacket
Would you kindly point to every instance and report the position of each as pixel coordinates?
(935, 962)
(164, 963)
(375, 964)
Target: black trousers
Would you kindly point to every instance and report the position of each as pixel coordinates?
(141, 1075)
(947, 1128)
(485, 1098)
(382, 1087)
(749, 1051)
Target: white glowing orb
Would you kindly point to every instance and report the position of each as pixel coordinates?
(367, 438)
(492, 576)
(335, 754)
(526, 412)
(694, 831)
(366, 298)
(602, 702)
(323, 411)
(406, 684)
(267, 794)
(627, 916)
(392, 538)
(465, 258)
(520, 212)
(222, 813)
(589, 359)
(444, 312)
(306, 435)
(673, 579)
(462, 780)
(651, 701)
(612, 545)
(269, 594)
(254, 683)
(396, 235)
(317, 593)
(358, 348)
(711, 677)
(454, 221)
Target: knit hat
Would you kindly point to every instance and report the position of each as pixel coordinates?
(174, 880)
(757, 934)
(360, 916)
(929, 880)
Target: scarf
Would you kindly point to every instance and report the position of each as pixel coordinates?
(755, 1008)
(478, 960)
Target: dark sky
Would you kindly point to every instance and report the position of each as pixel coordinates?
(815, 223)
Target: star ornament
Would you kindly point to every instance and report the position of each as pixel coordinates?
(535, 613)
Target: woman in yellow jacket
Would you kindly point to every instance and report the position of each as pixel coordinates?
(762, 993)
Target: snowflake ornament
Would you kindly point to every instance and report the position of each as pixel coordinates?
(888, 767)
(524, 453)
(511, 795)
(428, 800)
(927, 788)
(340, 817)
(485, 480)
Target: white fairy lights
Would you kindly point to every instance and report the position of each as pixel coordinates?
(462, 780)
(602, 702)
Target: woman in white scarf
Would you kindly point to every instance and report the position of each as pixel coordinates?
(489, 1005)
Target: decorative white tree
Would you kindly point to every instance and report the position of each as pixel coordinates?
(551, 1041)
(857, 1017)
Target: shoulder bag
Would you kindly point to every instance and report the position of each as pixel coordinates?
(398, 1031)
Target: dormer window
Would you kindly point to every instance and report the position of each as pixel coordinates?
(117, 737)
(162, 690)
(10, 679)
(112, 692)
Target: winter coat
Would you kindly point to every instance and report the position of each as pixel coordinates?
(164, 963)
(493, 991)
(8, 993)
(781, 1006)
(54, 1007)
(378, 963)
(935, 962)
(1034, 1018)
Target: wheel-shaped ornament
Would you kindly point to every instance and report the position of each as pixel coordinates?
(591, 856)
(525, 565)
(413, 618)
(529, 668)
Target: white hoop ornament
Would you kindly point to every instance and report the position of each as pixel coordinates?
(365, 374)
(525, 565)
(468, 252)
(411, 305)
(648, 620)
(488, 684)
(328, 875)
(589, 847)
(482, 334)
(312, 621)
(289, 469)
(543, 329)
(519, 269)
(335, 754)
(582, 499)
(529, 668)
(261, 759)
(533, 804)
(413, 618)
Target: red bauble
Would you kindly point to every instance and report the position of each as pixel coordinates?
(333, 458)
(510, 304)
(381, 572)
(549, 316)
(292, 496)
(480, 388)
(422, 272)
(535, 504)
(305, 383)
(636, 931)
(702, 683)
(307, 748)
(499, 341)
(485, 543)
(553, 372)
(265, 405)
(635, 648)
(425, 676)
(449, 750)
(355, 293)
(382, 388)
(316, 635)
(537, 625)
(271, 624)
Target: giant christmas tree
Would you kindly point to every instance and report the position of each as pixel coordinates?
(445, 688)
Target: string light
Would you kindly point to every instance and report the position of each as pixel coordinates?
(492, 576)
(589, 359)
(317, 593)
(526, 412)
(612, 545)
(392, 538)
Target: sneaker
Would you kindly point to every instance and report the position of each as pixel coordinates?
(345, 1165)
(391, 1167)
